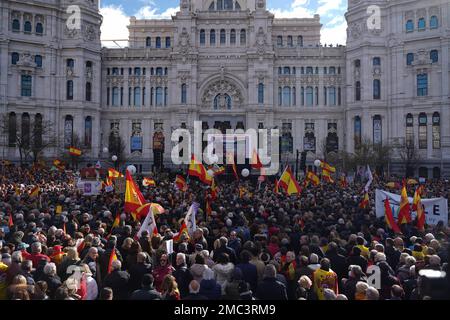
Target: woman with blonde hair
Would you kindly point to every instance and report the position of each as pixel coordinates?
(169, 288)
(71, 258)
(19, 290)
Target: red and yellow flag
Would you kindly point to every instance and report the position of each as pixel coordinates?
(256, 162)
(34, 192)
(133, 196)
(75, 151)
(313, 178)
(112, 174)
(365, 201)
(196, 169)
(230, 160)
(327, 167)
(214, 191)
(147, 182)
(208, 207)
(389, 217)
(10, 221)
(419, 209)
(326, 176)
(206, 178)
(181, 184)
(289, 183)
(116, 222)
(219, 171)
(112, 258)
(404, 214)
(183, 230)
(343, 181)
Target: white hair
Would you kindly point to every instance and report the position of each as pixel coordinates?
(50, 269)
(314, 258)
(410, 261)
(341, 297)
(16, 257)
(372, 293)
(435, 260)
(403, 257)
(361, 287)
(116, 265)
(380, 257)
(181, 256)
(208, 274)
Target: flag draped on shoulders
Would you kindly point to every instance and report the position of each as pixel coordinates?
(289, 183)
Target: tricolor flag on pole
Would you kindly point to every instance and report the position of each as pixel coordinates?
(288, 182)
(389, 217)
(133, 196)
(75, 151)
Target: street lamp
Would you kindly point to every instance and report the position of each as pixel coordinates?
(114, 160)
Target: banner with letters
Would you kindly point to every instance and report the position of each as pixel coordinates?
(435, 209)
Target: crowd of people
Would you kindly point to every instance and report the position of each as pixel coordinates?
(255, 244)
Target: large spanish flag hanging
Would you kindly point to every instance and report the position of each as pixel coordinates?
(288, 182)
(74, 151)
(389, 217)
(133, 196)
(404, 214)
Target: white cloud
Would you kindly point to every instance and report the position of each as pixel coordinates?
(298, 9)
(150, 12)
(326, 6)
(114, 24)
(335, 34)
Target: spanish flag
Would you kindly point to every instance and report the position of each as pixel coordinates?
(365, 201)
(133, 196)
(242, 192)
(404, 215)
(75, 151)
(343, 181)
(181, 184)
(389, 217)
(256, 162)
(196, 169)
(183, 230)
(147, 182)
(208, 208)
(206, 178)
(326, 166)
(220, 170)
(288, 182)
(230, 160)
(312, 177)
(112, 174)
(326, 176)
(34, 192)
(419, 209)
(116, 222)
(416, 198)
(112, 258)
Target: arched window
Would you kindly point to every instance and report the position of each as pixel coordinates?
(223, 37)
(302, 96)
(69, 90)
(376, 89)
(434, 56)
(300, 41)
(25, 132)
(137, 97)
(159, 96)
(70, 63)
(202, 37)
(332, 96)
(423, 136)
(233, 37)
(376, 61)
(14, 58)
(286, 96)
(421, 24)
(115, 96)
(27, 26)
(148, 42)
(280, 41)
(88, 132)
(294, 96)
(168, 42)
(436, 130)
(212, 37)
(68, 131)
(12, 130)
(38, 60)
(88, 91)
(357, 132)
(434, 22)
(159, 71)
(358, 91)
(316, 94)
(228, 4)
(409, 59)
(290, 41)
(39, 28)
(261, 93)
(409, 130)
(409, 26)
(280, 96)
(158, 42)
(16, 25)
(309, 96)
(287, 70)
(422, 85)
(243, 37)
(183, 93)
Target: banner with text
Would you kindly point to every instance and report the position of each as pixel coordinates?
(435, 209)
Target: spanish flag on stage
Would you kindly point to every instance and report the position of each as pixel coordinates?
(75, 151)
(112, 258)
(365, 201)
(389, 217)
(133, 196)
(181, 184)
(312, 177)
(289, 183)
(34, 192)
(147, 182)
(404, 215)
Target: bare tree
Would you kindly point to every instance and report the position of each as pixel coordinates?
(31, 143)
(73, 159)
(410, 157)
(117, 148)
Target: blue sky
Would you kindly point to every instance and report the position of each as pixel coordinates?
(116, 15)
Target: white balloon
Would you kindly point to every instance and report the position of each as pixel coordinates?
(132, 169)
(245, 173)
(210, 173)
(317, 163)
(114, 158)
(105, 150)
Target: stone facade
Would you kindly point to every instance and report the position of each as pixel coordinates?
(231, 64)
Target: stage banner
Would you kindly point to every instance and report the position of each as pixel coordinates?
(435, 209)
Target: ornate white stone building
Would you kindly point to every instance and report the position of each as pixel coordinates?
(232, 64)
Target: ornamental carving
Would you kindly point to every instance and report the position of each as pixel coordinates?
(184, 42)
(261, 41)
(355, 30)
(223, 89)
(89, 33)
(26, 60)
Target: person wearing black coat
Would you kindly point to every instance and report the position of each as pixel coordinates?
(138, 270)
(224, 248)
(182, 275)
(147, 292)
(194, 288)
(270, 288)
(104, 258)
(117, 280)
(338, 262)
(355, 258)
(392, 253)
